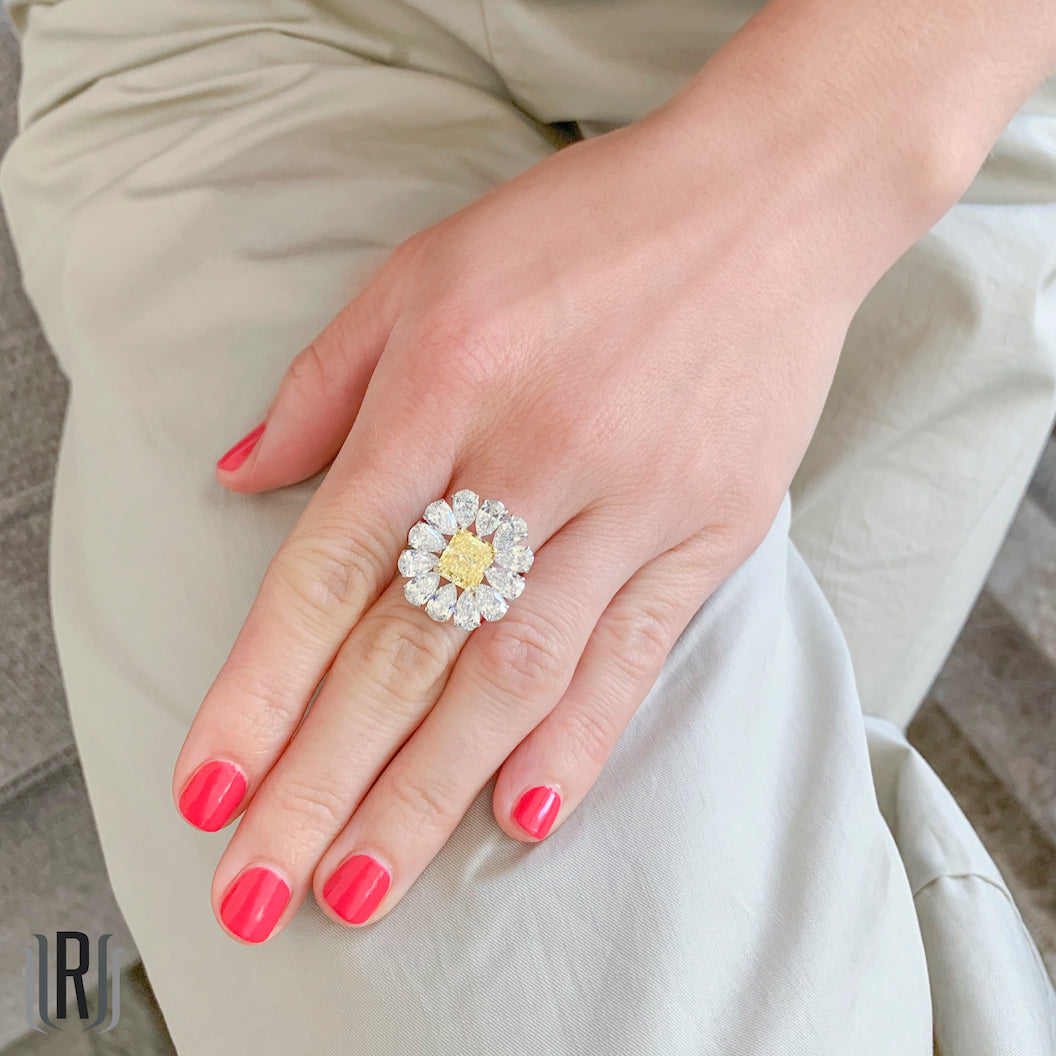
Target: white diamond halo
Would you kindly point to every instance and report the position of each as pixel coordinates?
(455, 571)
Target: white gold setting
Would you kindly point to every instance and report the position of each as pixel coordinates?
(449, 550)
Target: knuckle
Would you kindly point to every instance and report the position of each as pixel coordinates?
(263, 711)
(526, 657)
(401, 653)
(465, 350)
(743, 499)
(476, 364)
(423, 804)
(639, 640)
(591, 731)
(741, 520)
(321, 580)
(309, 369)
(308, 807)
(328, 571)
(405, 254)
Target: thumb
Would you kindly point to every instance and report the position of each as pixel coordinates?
(318, 398)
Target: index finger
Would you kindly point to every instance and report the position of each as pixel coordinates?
(335, 562)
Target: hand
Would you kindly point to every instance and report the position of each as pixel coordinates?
(624, 347)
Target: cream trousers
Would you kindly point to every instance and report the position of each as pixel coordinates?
(765, 866)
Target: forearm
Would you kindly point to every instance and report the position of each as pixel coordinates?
(874, 115)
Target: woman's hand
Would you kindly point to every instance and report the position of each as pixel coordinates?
(629, 344)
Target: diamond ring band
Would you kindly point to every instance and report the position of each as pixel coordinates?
(449, 551)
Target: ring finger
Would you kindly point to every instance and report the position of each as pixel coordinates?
(385, 679)
(506, 681)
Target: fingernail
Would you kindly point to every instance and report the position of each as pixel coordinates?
(240, 452)
(356, 887)
(536, 810)
(209, 798)
(254, 903)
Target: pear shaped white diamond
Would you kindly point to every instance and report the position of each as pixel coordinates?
(425, 537)
(507, 583)
(488, 517)
(442, 603)
(491, 603)
(516, 559)
(441, 517)
(467, 612)
(420, 589)
(465, 504)
(415, 562)
(511, 531)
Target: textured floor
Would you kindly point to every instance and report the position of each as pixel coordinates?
(988, 726)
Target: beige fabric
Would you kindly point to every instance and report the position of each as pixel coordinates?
(198, 186)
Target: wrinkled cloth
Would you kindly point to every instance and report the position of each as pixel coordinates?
(765, 866)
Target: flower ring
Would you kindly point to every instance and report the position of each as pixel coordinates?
(443, 545)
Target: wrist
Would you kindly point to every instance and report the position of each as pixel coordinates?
(829, 115)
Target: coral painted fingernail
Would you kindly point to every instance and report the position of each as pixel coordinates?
(254, 903)
(240, 452)
(536, 810)
(356, 887)
(210, 797)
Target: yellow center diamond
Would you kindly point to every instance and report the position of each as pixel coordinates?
(464, 560)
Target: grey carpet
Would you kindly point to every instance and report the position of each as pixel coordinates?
(34, 732)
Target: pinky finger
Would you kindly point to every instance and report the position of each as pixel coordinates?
(549, 773)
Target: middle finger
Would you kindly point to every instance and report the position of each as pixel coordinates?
(351, 735)
(505, 682)
(385, 678)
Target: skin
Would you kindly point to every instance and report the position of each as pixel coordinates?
(639, 380)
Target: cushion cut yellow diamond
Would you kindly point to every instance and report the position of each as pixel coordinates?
(464, 560)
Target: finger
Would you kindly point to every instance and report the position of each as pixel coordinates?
(336, 561)
(387, 675)
(508, 676)
(319, 395)
(550, 772)
(289, 639)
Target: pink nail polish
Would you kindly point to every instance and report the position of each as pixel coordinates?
(211, 795)
(536, 810)
(240, 452)
(254, 903)
(356, 887)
